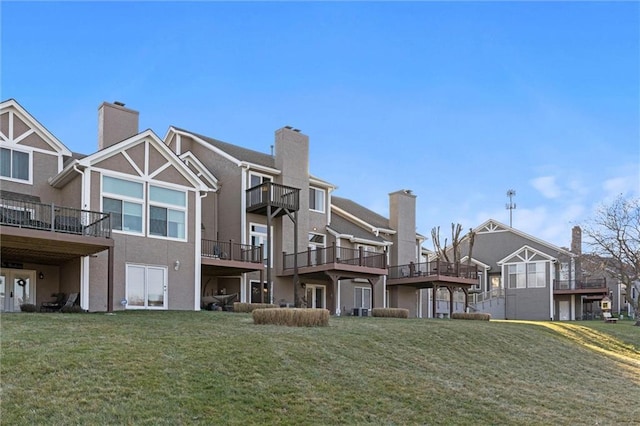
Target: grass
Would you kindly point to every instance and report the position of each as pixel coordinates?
(219, 368)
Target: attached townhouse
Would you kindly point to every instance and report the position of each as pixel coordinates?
(189, 222)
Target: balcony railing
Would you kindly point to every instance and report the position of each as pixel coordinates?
(435, 267)
(487, 295)
(49, 217)
(593, 283)
(228, 250)
(334, 254)
(273, 194)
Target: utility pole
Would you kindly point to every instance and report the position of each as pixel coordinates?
(511, 205)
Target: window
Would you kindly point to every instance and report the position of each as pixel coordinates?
(362, 298)
(517, 277)
(536, 275)
(124, 200)
(15, 164)
(167, 212)
(523, 275)
(316, 199)
(255, 180)
(258, 235)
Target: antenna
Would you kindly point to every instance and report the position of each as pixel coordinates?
(511, 205)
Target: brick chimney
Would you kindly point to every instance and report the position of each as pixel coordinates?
(576, 240)
(115, 123)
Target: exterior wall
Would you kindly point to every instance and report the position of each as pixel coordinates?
(527, 304)
(115, 124)
(402, 218)
(144, 249)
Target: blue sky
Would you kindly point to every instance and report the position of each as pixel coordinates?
(457, 101)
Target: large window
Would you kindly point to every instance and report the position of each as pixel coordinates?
(527, 275)
(14, 164)
(124, 200)
(316, 199)
(362, 297)
(167, 213)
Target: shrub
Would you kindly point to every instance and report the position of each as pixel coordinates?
(479, 316)
(250, 307)
(390, 312)
(74, 309)
(28, 307)
(295, 317)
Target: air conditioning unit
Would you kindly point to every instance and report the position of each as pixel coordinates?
(360, 312)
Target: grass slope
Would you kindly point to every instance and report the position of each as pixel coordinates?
(220, 368)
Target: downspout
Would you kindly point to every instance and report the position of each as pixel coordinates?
(84, 260)
(243, 228)
(552, 271)
(198, 251)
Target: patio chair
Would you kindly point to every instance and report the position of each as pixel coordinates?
(60, 303)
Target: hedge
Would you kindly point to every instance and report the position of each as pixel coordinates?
(250, 307)
(479, 316)
(390, 312)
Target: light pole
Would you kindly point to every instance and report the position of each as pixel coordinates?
(511, 205)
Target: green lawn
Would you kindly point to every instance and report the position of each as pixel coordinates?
(219, 368)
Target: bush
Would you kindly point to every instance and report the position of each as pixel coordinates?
(479, 316)
(75, 309)
(28, 307)
(390, 312)
(250, 307)
(294, 317)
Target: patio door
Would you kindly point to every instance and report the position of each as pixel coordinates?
(17, 287)
(564, 308)
(146, 287)
(316, 296)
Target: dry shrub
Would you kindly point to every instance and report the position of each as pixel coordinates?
(294, 317)
(250, 307)
(479, 316)
(390, 312)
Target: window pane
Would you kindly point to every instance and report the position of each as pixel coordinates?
(167, 196)
(316, 199)
(122, 187)
(5, 162)
(358, 297)
(155, 286)
(366, 294)
(158, 221)
(132, 217)
(109, 205)
(20, 165)
(135, 285)
(176, 223)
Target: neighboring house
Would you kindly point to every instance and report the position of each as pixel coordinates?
(524, 277)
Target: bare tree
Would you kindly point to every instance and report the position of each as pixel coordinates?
(442, 252)
(614, 235)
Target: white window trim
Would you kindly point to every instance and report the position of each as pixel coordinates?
(260, 175)
(126, 198)
(355, 299)
(29, 152)
(184, 209)
(324, 199)
(166, 287)
(266, 242)
(526, 274)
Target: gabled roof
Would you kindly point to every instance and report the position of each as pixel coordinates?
(13, 105)
(346, 229)
(493, 225)
(64, 176)
(526, 254)
(361, 213)
(238, 153)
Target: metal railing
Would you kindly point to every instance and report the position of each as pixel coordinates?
(49, 217)
(274, 194)
(334, 254)
(487, 295)
(228, 250)
(579, 284)
(433, 268)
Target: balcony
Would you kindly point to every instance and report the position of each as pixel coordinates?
(272, 197)
(590, 286)
(229, 258)
(426, 274)
(47, 233)
(340, 260)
